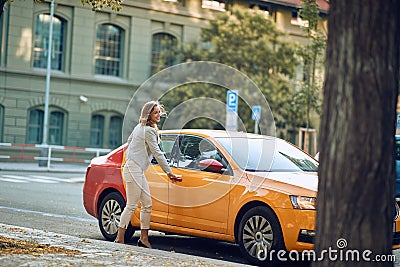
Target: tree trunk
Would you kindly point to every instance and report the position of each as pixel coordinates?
(355, 207)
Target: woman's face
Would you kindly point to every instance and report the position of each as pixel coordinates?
(155, 115)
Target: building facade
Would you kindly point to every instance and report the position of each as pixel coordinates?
(98, 59)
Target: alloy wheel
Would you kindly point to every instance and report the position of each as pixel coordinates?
(111, 216)
(257, 236)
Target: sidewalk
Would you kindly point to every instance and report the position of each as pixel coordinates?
(90, 252)
(34, 167)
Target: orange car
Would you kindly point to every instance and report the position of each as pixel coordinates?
(257, 191)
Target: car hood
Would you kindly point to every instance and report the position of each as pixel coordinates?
(306, 180)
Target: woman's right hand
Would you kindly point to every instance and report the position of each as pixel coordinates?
(174, 177)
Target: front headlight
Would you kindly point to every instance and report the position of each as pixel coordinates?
(303, 203)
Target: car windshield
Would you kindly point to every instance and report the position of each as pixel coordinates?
(267, 154)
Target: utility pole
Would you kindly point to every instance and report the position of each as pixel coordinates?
(43, 151)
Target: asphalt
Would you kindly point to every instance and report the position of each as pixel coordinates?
(93, 252)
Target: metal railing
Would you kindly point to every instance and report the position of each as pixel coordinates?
(49, 153)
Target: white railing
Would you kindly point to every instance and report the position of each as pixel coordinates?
(46, 152)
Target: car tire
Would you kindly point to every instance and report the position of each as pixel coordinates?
(110, 210)
(259, 228)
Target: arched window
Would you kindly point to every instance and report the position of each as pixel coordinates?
(2, 36)
(162, 42)
(96, 131)
(115, 134)
(55, 128)
(108, 52)
(35, 126)
(56, 124)
(41, 42)
(106, 129)
(1, 122)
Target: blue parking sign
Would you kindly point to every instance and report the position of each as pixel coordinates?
(256, 113)
(232, 100)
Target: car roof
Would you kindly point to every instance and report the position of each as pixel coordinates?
(216, 133)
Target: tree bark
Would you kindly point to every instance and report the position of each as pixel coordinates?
(355, 206)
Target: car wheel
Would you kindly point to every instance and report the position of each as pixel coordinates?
(110, 211)
(259, 233)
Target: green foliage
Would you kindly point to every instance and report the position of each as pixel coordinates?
(252, 44)
(310, 12)
(96, 4)
(100, 4)
(197, 113)
(308, 98)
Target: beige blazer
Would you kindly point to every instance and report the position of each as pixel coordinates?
(143, 145)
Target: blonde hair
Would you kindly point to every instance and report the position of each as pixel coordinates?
(146, 111)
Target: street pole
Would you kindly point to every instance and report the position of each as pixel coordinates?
(256, 126)
(256, 115)
(46, 100)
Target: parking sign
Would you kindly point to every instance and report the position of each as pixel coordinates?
(232, 101)
(256, 113)
(231, 110)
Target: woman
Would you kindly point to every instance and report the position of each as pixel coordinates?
(142, 144)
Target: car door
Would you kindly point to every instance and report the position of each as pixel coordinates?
(158, 182)
(201, 200)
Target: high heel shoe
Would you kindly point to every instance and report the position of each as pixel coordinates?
(141, 244)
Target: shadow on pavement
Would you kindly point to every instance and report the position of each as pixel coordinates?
(203, 247)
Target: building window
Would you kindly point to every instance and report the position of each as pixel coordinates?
(178, 2)
(41, 42)
(1, 122)
(96, 131)
(2, 35)
(115, 134)
(162, 42)
(260, 9)
(214, 4)
(108, 50)
(106, 129)
(35, 127)
(296, 20)
(56, 128)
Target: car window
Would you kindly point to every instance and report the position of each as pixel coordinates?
(193, 149)
(267, 154)
(166, 145)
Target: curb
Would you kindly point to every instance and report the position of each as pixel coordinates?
(94, 252)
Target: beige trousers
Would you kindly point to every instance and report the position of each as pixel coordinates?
(137, 189)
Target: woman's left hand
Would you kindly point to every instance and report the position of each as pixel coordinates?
(174, 177)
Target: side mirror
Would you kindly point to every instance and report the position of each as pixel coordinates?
(211, 165)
